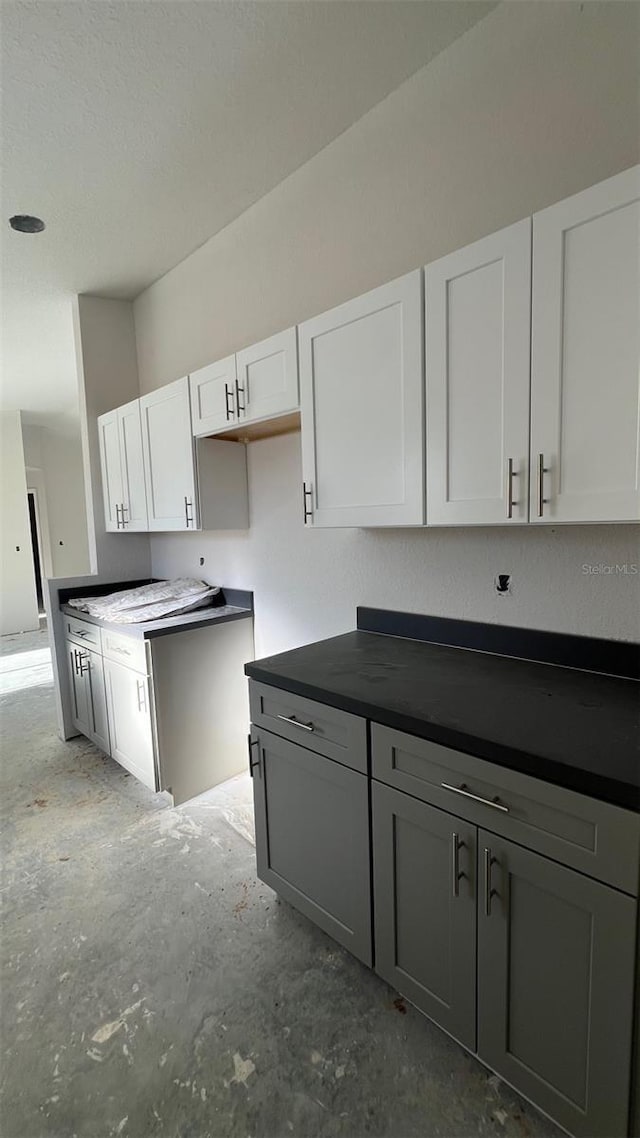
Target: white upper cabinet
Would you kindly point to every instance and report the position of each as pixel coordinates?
(123, 489)
(361, 385)
(111, 467)
(169, 462)
(134, 499)
(213, 397)
(585, 354)
(267, 378)
(477, 322)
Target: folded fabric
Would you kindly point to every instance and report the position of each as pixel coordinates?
(149, 602)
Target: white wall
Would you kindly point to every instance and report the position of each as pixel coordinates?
(57, 454)
(107, 377)
(534, 103)
(18, 604)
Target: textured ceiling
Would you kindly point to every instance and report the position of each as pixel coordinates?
(139, 129)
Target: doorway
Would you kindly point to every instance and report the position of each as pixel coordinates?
(36, 549)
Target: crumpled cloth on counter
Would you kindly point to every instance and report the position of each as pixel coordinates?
(149, 602)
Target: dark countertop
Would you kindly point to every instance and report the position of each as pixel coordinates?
(149, 630)
(574, 728)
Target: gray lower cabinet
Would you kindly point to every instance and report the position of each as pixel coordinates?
(550, 988)
(424, 870)
(312, 837)
(86, 682)
(556, 958)
(504, 908)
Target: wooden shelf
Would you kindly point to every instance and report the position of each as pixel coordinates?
(267, 429)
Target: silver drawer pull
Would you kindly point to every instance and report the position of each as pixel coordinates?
(466, 793)
(296, 722)
(117, 648)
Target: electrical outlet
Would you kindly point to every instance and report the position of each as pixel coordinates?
(502, 584)
(202, 560)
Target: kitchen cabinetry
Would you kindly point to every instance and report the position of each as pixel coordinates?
(361, 381)
(477, 323)
(213, 397)
(425, 908)
(312, 819)
(504, 907)
(585, 445)
(169, 459)
(267, 378)
(155, 477)
(172, 709)
(88, 700)
(121, 460)
(556, 958)
(130, 719)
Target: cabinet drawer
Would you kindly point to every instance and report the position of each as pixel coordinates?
(81, 632)
(323, 729)
(127, 650)
(594, 837)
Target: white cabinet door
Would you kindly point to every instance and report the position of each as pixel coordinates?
(267, 378)
(80, 709)
(88, 700)
(477, 322)
(585, 353)
(169, 463)
(130, 721)
(112, 488)
(97, 699)
(361, 387)
(213, 397)
(134, 498)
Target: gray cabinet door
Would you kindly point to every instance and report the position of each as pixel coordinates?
(424, 872)
(312, 837)
(555, 977)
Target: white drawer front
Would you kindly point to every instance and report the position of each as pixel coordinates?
(81, 632)
(127, 650)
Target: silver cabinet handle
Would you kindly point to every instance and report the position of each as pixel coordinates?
(228, 395)
(82, 666)
(240, 407)
(466, 793)
(456, 846)
(296, 722)
(117, 648)
(124, 510)
(118, 524)
(308, 512)
(489, 892)
(142, 699)
(253, 762)
(85, 633)
(188, 505)
(541, 471)
(511, 474)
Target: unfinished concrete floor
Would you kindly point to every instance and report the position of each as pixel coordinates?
(152, 986)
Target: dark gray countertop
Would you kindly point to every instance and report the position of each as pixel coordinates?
(574, 728)
(149, 630)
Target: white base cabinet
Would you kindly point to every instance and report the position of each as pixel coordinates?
(361, 381)
(172, 710)
(88, 699)
(130, 719)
